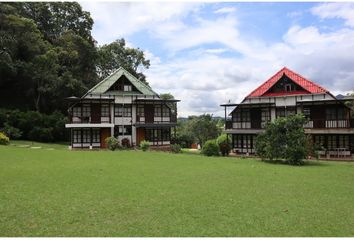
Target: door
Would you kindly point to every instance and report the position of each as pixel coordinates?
(105, 133)
(149, 113)
(95, 113)
(140, 135)
(255, 115)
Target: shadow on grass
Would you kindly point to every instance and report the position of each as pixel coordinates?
(306, 163)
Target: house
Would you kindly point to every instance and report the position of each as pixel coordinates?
(124, 107)
(329, 120)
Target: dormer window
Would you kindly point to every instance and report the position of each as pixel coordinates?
(127, 88)
(289, 87)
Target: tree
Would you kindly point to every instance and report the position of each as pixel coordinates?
(202, 128)
(117, 54)
(166, 96)
(47, 54)
(284, 139)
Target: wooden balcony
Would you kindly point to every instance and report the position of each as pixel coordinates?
(93, 118)
(322, 123)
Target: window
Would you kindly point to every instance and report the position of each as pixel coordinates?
(265, 115)
(123, 110)
(319, 140)
(289, 87)
(86, 136)
(284, 112)
(127, 88)
(343, 141)
(331, 114)
(332, 142)
(140, 111)
(95, 135)
(307, 112)
(76, 111)
(105, 110)
(122, 130)
(245, 115)
(157, 111)
(158, 135)
(86, 110)
(76, 136)
(341, 114)
(166, 133)
(165, 111)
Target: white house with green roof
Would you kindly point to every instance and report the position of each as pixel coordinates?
(124, 107)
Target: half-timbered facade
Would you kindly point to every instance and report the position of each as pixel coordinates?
(124, 107)
(329, 119)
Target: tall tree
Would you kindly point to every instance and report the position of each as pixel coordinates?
(117, 54)
(47, 54)
(203, 128)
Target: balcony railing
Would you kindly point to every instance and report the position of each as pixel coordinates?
(167, 119)
(90, 119)
(322, 123)
(256, 124)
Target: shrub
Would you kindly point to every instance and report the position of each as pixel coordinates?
(144, 145)
(125, 143)
(112, 143)
(4, 140)
(176, 148)
(41, 134)
(210, 148)
(11, 132)
(224, 143)
(284, 139)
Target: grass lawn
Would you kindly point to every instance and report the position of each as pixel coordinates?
(57, 192)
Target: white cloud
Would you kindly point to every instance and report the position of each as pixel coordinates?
(202, 77)
(225, 10)
(336, 10)
(119, 19)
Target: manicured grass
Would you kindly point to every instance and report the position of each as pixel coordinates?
(132, 193)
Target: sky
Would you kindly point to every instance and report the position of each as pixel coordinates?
(206, 54)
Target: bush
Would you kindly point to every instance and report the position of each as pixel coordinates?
(224, 143)
(4, 140)
(284, 139)
(11, 132)
(41, 134)
(144, 145)
(125, 143)
(210, 148)
(176, 148)
(112, 143)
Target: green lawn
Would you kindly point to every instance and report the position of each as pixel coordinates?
(131, 193)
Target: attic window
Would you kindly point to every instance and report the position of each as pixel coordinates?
(289, 87)
(127, 88)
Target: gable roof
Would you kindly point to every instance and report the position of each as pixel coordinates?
(306, 84)
(106, 83)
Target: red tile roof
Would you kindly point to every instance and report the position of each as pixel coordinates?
(309, 86)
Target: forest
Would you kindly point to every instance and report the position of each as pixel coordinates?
(47, 54)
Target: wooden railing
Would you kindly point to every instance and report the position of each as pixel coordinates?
(90, 119)
(322, 123)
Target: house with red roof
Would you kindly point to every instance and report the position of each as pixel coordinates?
(285, 93)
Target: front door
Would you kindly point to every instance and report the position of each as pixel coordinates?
(149, 113)
(255, 115)
(105, 133)
(140, 135)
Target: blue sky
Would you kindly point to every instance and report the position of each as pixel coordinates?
(209, 53)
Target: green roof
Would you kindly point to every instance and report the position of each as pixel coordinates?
(103, 86)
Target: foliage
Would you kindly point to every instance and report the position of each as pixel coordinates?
(11, 132)
(125, 143)
(210, 148)
(4, 140)
(284, 139)
(224, 143)
(41, 134)
(112, 143)
(202, 128)
(144, 145)
(166, 96)
(117, 54)
(34, 125)
(176, 148)
(48, 54)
